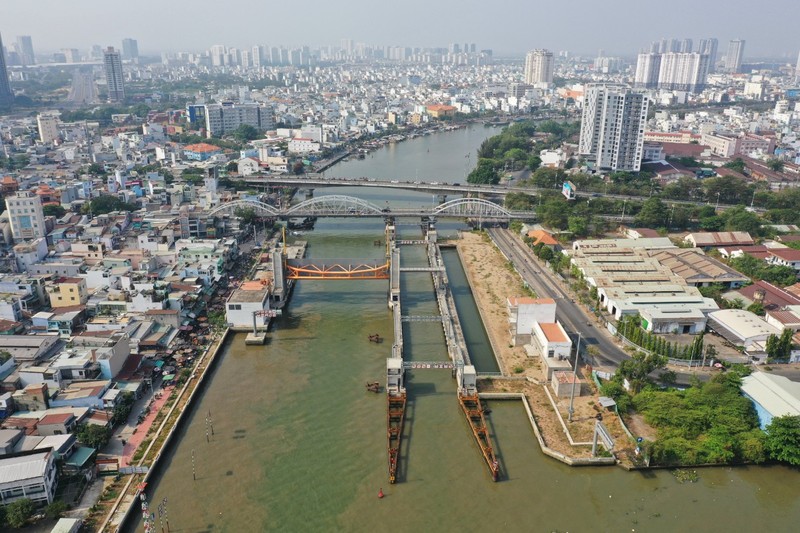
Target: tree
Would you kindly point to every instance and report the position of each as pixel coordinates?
(783, 439)
(484, 173)
(52, 210)
(775, 164)
(298, 167)
(246, 214)
(534, 162)
(757, 308)
(55, 510)
(737, 165)
(518, 201)
(546, 254)
(96, 169)
(245, 133)
(637, 369)
(93, 435)
(578, 225)
(653, 214)
(19, 512)
(123, 409)
(106, 204)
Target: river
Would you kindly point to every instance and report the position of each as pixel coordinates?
(300, 446)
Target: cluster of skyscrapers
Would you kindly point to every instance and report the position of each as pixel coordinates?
(674, 65)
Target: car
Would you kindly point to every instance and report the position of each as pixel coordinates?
(456, 184)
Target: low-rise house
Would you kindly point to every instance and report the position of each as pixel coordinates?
(785, 257)
(772, 396)
(698, 269)
(30, 348)
(771, 297)
(551, 342)
(82, 394)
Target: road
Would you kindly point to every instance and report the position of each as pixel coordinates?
(83, 90)
(569, 313)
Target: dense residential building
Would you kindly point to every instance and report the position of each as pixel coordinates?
(226, 117)
(733, 59)
(6, 95)
(612, 127)
(539, 67)
(114, 76)
(648, 67)
(709, 48)
(130, 49)
(27, 217)
(25, 50)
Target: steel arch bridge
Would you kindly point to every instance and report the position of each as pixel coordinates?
(260, 207)
(334, 205)
(472, 208)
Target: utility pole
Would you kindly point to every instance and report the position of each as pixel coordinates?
(574, 377)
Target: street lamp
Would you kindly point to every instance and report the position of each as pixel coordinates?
(717, 206)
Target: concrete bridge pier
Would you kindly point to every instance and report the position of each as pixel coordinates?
(309, 194)
(441, 198)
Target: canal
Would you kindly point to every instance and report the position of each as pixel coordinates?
(300, 446)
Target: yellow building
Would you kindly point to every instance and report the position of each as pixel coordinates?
(440, 111)
(67, 292)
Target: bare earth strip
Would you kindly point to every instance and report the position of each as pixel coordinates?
(492, 282)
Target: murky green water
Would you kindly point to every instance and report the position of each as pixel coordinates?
(300, 446)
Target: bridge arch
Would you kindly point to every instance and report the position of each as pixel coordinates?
(333, 205)
(260, 207)
(472, 208)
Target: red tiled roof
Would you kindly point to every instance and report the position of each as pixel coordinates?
(56, 418)
(201, 148)
(552, 332)
(774, 297)
(787, 254)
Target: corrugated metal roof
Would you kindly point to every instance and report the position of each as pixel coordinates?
(25, 467)
(778, 395)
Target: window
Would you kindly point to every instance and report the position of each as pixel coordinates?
(235, 307)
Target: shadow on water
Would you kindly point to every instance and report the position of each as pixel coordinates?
(406, 440)
(495, 442)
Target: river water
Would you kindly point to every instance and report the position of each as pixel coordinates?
(299, 445)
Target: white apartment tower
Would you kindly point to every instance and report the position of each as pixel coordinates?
(709, 47)
(48, 127)
(796, 70)
(648, 66)
(539, 67)
(27, 217)
(733, 59)
(114, 75)
(612, 127)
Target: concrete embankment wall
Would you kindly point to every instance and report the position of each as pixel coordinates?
(572, 461)
(205, 378)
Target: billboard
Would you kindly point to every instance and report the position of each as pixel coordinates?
(568, 190)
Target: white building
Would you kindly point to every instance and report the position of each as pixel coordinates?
(539, 68)
(29, 475)
(27, 217)
(114, 75)
(551, 342)
(612, 127)
(741, 327)
(48, 127)
(300, 145)
(226, 117)
(523, 313)
(251, 297)
(733, 59)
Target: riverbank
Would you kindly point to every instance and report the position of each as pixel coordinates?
(492, 281)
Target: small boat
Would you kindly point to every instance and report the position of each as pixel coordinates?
(373, 386)
(375, 338)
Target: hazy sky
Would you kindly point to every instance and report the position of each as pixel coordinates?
(509, 27)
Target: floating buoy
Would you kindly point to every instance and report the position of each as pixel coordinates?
(380, 493)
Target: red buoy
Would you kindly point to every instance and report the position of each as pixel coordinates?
(380, 494)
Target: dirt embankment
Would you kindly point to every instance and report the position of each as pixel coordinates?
(493, 281)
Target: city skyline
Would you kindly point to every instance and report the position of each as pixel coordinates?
(597, 27)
